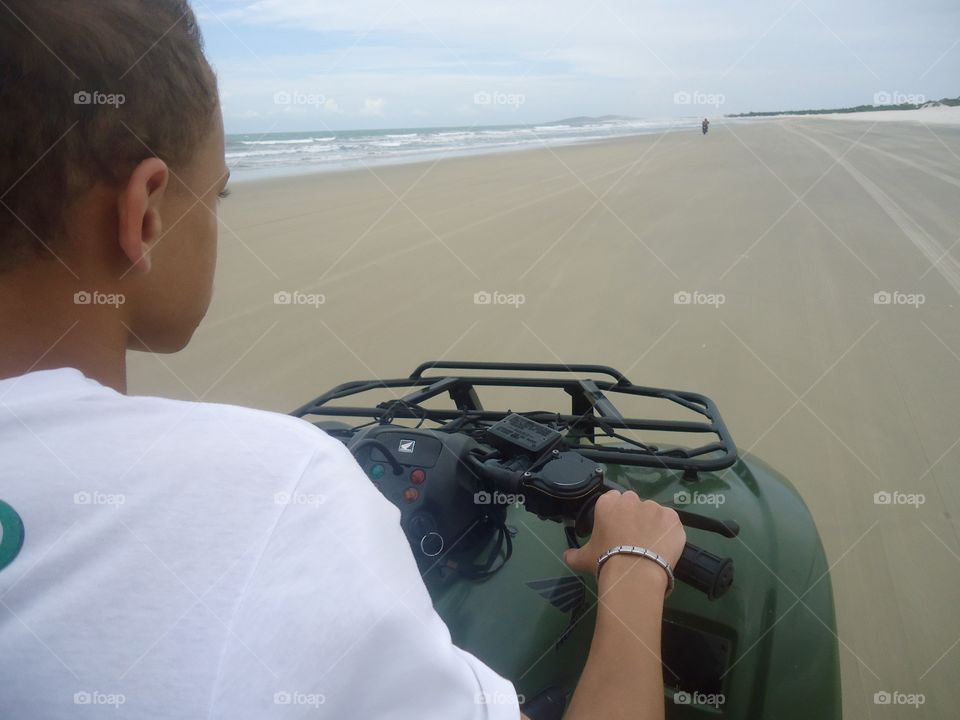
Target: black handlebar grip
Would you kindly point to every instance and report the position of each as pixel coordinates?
(704, 571)
(698, 568)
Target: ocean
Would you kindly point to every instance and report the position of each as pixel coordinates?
(276, 154)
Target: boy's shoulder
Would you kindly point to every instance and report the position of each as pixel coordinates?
(219, 425)
(80, 413)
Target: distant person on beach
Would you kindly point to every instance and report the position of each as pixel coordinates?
(165, 567)
(705, 125)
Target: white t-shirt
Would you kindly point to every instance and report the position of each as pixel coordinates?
(189, 560)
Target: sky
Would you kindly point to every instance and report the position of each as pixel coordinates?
(304, 65)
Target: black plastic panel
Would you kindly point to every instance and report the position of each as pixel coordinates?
(694, 660)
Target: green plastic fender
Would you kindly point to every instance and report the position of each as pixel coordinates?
(775, 628)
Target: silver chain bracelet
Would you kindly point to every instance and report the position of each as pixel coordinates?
(640, 552)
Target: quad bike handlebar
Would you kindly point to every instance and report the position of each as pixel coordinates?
(555, 462)
(700, 569)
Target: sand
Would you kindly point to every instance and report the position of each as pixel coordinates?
(798, 224)
(935, 115)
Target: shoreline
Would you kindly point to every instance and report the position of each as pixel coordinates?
(253, 175)
(305, 173)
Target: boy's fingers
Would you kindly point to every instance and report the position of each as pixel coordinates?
(576, 559)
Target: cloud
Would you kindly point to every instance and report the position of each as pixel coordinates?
(398, 62)
(373, 107)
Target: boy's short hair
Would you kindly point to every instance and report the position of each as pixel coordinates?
(88, 89)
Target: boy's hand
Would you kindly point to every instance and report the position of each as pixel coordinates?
(625, 519)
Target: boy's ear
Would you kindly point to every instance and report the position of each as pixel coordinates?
(140, 223)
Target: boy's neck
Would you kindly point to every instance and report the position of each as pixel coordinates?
(42, 328)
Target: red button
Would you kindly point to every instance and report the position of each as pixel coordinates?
(417, 477)
(411, 495)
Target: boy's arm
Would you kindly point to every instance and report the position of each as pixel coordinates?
(336, 615)
(623, 677)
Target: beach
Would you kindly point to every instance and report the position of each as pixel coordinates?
(801, 272)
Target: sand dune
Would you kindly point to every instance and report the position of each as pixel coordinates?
(942, 115)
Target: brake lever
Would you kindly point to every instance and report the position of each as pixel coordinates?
(725, 528)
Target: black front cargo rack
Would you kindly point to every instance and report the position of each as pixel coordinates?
(592, 412)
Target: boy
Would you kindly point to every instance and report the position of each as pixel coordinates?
(159, 576)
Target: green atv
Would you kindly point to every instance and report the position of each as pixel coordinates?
(490, 500)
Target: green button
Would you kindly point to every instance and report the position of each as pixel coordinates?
(376, 472)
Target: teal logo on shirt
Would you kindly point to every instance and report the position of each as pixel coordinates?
(11, 534)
